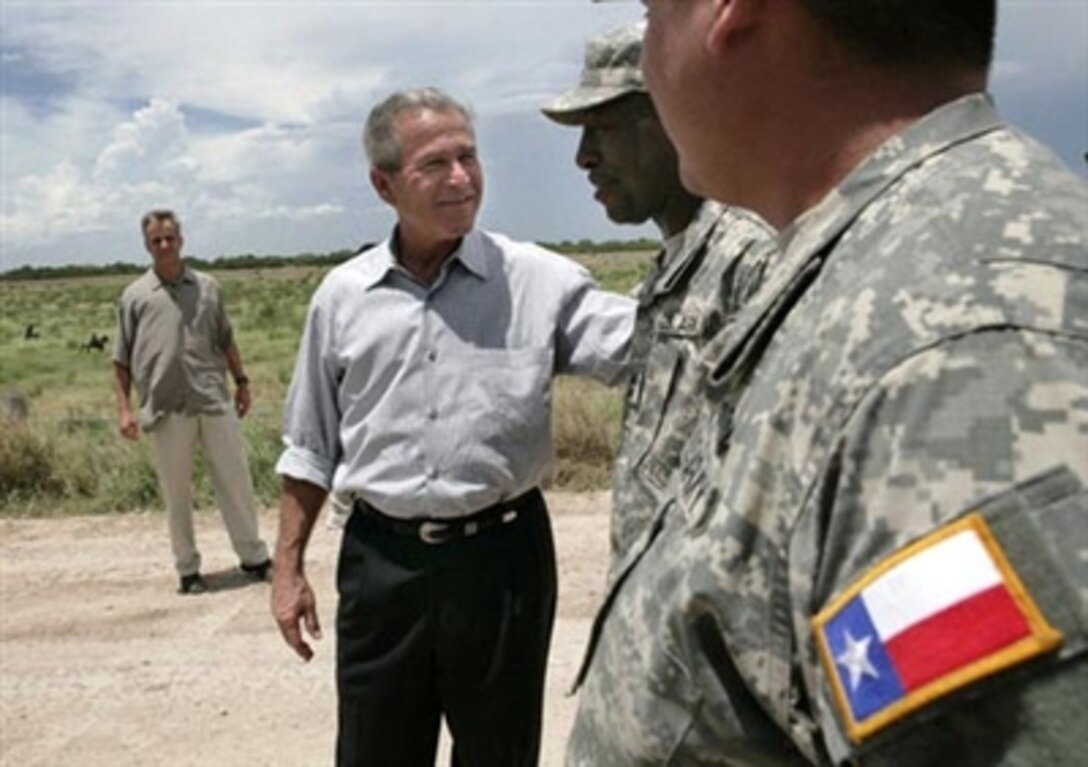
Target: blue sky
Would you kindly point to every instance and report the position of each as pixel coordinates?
(244, 116)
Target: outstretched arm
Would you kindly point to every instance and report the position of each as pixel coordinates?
(595, 328)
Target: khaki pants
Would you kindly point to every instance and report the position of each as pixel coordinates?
(175, 437)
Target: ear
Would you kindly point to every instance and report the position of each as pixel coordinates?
(379, 179)
(729, 18)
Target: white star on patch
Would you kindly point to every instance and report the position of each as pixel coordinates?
(855, 659)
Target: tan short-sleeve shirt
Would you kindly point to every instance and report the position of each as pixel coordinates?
(173, 338)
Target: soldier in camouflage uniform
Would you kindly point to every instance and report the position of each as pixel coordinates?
(630, 160)
(876, 551)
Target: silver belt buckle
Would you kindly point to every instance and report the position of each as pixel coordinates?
(432, 532)
(429, 532)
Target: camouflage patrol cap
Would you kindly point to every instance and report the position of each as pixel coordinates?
(611, 70)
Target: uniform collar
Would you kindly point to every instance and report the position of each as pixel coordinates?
(680, 251)
(945, 127)
(803, 246)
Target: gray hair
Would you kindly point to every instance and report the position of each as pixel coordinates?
(160, 215)
(380, 136)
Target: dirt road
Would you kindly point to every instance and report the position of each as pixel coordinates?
(102, 664)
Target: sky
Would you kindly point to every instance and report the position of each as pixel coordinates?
(245, 115)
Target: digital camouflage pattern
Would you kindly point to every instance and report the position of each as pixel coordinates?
(611, 69)
(920, 344)
(682, 304)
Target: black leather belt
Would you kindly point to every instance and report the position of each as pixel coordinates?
(435, 531)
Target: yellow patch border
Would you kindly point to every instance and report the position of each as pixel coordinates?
(1043, 636)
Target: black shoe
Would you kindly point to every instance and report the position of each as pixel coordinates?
(259, 571)
(192, 584)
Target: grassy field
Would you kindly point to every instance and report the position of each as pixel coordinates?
(66, 456)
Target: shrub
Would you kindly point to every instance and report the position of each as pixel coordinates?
(27, 464)
(585, 424)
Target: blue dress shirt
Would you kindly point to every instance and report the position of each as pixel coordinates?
(435, 400)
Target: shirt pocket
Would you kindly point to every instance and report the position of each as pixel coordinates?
(511, 389)
(203, 331)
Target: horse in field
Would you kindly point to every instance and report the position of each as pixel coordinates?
(95, 342)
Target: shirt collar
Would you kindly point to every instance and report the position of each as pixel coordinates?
(471, 254)
(186, 276)
(375, 264)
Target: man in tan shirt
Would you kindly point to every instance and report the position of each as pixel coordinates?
(175, 342)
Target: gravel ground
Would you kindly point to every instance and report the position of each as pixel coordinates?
(101, 663)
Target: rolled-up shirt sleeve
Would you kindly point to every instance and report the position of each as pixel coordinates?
(595, 328)
(311, 423)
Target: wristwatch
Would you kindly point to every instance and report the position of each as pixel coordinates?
(241, 381)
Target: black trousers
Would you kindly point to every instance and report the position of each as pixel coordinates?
(459, 629)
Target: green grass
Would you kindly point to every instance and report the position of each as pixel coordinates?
(67, 458)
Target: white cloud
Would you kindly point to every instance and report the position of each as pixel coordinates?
(245, 115)
(151, 144)
(153, 160)
(53, 205)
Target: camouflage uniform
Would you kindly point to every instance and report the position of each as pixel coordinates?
(681, 305)
(918, 350)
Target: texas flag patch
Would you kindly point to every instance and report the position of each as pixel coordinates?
(931, 619)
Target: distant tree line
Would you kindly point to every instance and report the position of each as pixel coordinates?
(251, 261)
(608, 246)
(244, 261)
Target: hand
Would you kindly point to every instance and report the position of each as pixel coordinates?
(242, 400)
(127, 426)
(293, 602)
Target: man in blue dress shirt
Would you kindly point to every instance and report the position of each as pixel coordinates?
(424, 374)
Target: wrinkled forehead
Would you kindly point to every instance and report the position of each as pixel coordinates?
(425, 119)
(428, 130)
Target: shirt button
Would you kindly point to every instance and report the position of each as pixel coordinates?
(432, 356)
(433, 415)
